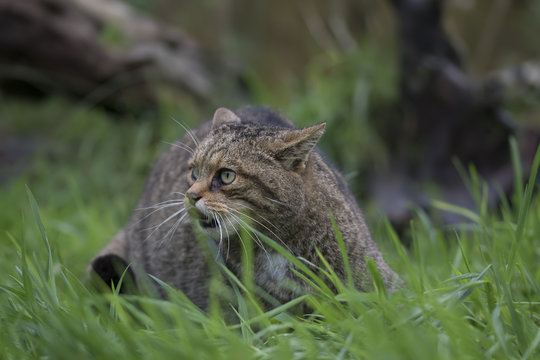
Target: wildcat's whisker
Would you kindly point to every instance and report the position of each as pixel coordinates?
(178, 193)
(259, 216)
(236, 231)
(266, 227)
(235, 218)
(182, 146)
(172, 230)
(220, 234)
(244, 205)
(238, 218)
(188, 131)
(278, 202)
(158, 209)
(221, 217)
(220, 242)
(257, 240)
(268, 221)
(161, 205)
(176, 213)
(156, 227)
(164, 202)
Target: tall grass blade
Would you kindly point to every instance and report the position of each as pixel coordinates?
(518, 170)
(532, 347)
(50, 263)
(524, 206)
(466, 213)
(499, 330)
(517, 324)
(344, 255)
(376, 277)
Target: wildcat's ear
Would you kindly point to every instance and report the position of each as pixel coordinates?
(224, 116)
(296, 145)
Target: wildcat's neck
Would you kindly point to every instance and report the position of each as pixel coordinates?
(321, 201)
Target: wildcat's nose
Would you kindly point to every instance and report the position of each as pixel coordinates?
(193, 195)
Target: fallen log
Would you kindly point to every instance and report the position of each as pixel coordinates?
(57, 46)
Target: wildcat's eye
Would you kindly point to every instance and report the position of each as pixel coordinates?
(227, 176)
(194, 173)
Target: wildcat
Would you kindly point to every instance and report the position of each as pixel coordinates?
(251, 167)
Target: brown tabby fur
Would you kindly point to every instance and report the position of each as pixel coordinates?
(283, 187)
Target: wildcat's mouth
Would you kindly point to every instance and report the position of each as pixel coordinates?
(207, 221)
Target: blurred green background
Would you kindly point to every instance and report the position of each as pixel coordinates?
(314, 61)
(471, 289)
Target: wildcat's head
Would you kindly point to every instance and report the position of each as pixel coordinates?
(244, 175)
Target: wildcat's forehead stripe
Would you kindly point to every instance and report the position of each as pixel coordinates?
(233, 145)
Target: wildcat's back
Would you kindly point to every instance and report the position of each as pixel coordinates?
(248, 168)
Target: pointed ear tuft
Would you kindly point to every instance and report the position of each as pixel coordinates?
(296, 146)
(224, 116)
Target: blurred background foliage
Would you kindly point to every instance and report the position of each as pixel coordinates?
(314, 61)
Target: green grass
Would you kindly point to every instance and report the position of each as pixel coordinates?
(472, 291)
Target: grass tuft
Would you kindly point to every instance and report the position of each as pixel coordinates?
(471, 291)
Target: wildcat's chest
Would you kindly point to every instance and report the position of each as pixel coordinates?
(271, 268)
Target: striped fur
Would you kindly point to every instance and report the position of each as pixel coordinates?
(282, 187)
